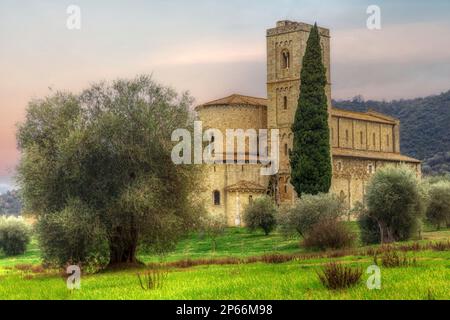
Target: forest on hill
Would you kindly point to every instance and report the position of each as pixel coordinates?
(425, 126)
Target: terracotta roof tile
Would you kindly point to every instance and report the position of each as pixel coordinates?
(367, 116)
(237, 99)
(373, 155)
(248, 186)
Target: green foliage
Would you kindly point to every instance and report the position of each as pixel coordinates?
(73, 236)
(310, 210)
(14, 236)
(370, 231)
(310, 157)
(438, 205)
(424, 126)
(110, 149)
(395, 202)
(330, 234)
(368, 226)
(261, 214)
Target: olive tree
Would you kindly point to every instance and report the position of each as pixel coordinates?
(310, 210)
(109, 149)
(260, 214)
(395, 203)
(15, 235)
(438, 206)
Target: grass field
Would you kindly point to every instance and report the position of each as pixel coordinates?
(297, 279)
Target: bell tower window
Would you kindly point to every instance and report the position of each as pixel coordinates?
(285, 59)
(285, 103)
(216, 197)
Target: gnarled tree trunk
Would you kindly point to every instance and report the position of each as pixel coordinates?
(123, 247)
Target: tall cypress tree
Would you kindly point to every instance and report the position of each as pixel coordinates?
(310, 157)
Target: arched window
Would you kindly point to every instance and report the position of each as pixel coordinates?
(285, 103)
(342, 196)
(216, 196)
(370, 169)
(285, 59)
(213, 138)
(250, 199)
(286, 150)
(339, 166)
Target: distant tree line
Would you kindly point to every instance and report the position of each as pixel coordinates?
(10, 203)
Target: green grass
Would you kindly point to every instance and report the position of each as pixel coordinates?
(32, 256)
(235, 242)
(291, 280)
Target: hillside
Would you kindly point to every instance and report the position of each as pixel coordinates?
(425, 126)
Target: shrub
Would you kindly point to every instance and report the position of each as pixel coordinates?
(153, 278)
(261, 214)
(308, 211)
(336, 276)
(72, 236)
(329, 234)
(392, 259)
(14, 236)
(395, 202)
(440, 246)
(438, 206)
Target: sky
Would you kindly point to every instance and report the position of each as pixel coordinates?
(210, 48)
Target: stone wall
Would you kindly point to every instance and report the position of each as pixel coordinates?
(233, 117)
(219, 177)
(351, 176)
(364, 135)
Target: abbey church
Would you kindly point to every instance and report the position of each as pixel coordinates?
(361, 142)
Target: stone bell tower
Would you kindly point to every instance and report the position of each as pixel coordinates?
(286, 46)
